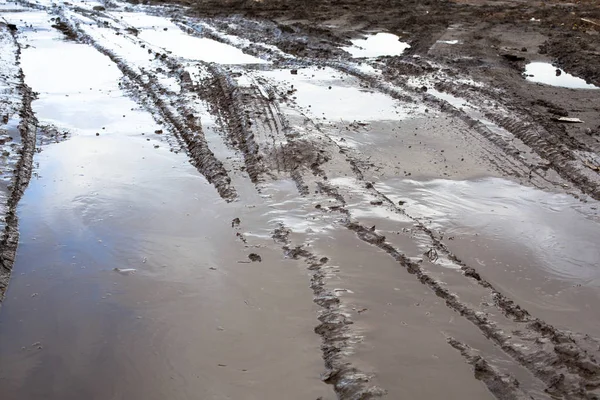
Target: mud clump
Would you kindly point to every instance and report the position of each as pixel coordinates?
(504, 387)
(254, 257)
(65, 29)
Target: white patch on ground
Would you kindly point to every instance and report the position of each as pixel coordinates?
(380, 44)
(161, 32)
(449, 41)
(10, 104)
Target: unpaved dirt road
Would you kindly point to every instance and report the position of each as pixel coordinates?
(251, 201)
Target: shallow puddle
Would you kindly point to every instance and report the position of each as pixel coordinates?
(548, 74)
(538, 248)
(379, 44)
(328, 94)
(558, 232)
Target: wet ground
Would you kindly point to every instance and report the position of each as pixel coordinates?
(195, 208)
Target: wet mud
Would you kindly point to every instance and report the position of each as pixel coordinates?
(257, 202)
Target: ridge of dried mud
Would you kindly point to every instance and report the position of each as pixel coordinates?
(9, 237)
(224, 95)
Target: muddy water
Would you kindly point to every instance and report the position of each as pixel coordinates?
(194, 319)
(328, 94)
(129, 280)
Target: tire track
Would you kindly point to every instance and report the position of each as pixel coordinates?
(227, 101)
(552, 356)
(180, 119)
(335, 327)
(503, 386)
(556, 153)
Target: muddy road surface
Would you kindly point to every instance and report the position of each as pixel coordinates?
(246, 203)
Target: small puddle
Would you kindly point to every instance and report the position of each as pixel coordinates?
(380, 44)
(326, 93)
(455, 41)
(548, 74)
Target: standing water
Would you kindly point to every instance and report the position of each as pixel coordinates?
(129, 281)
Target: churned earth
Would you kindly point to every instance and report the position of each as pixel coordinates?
(317, 200)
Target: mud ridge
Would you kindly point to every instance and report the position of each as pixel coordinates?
(9, 238)
(184, 128)
(223, 94)
(334, 328)
(504, 387)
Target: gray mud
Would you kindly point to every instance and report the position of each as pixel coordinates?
(218, 213)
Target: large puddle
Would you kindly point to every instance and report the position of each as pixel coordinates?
(548, 74)
(129, 280)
